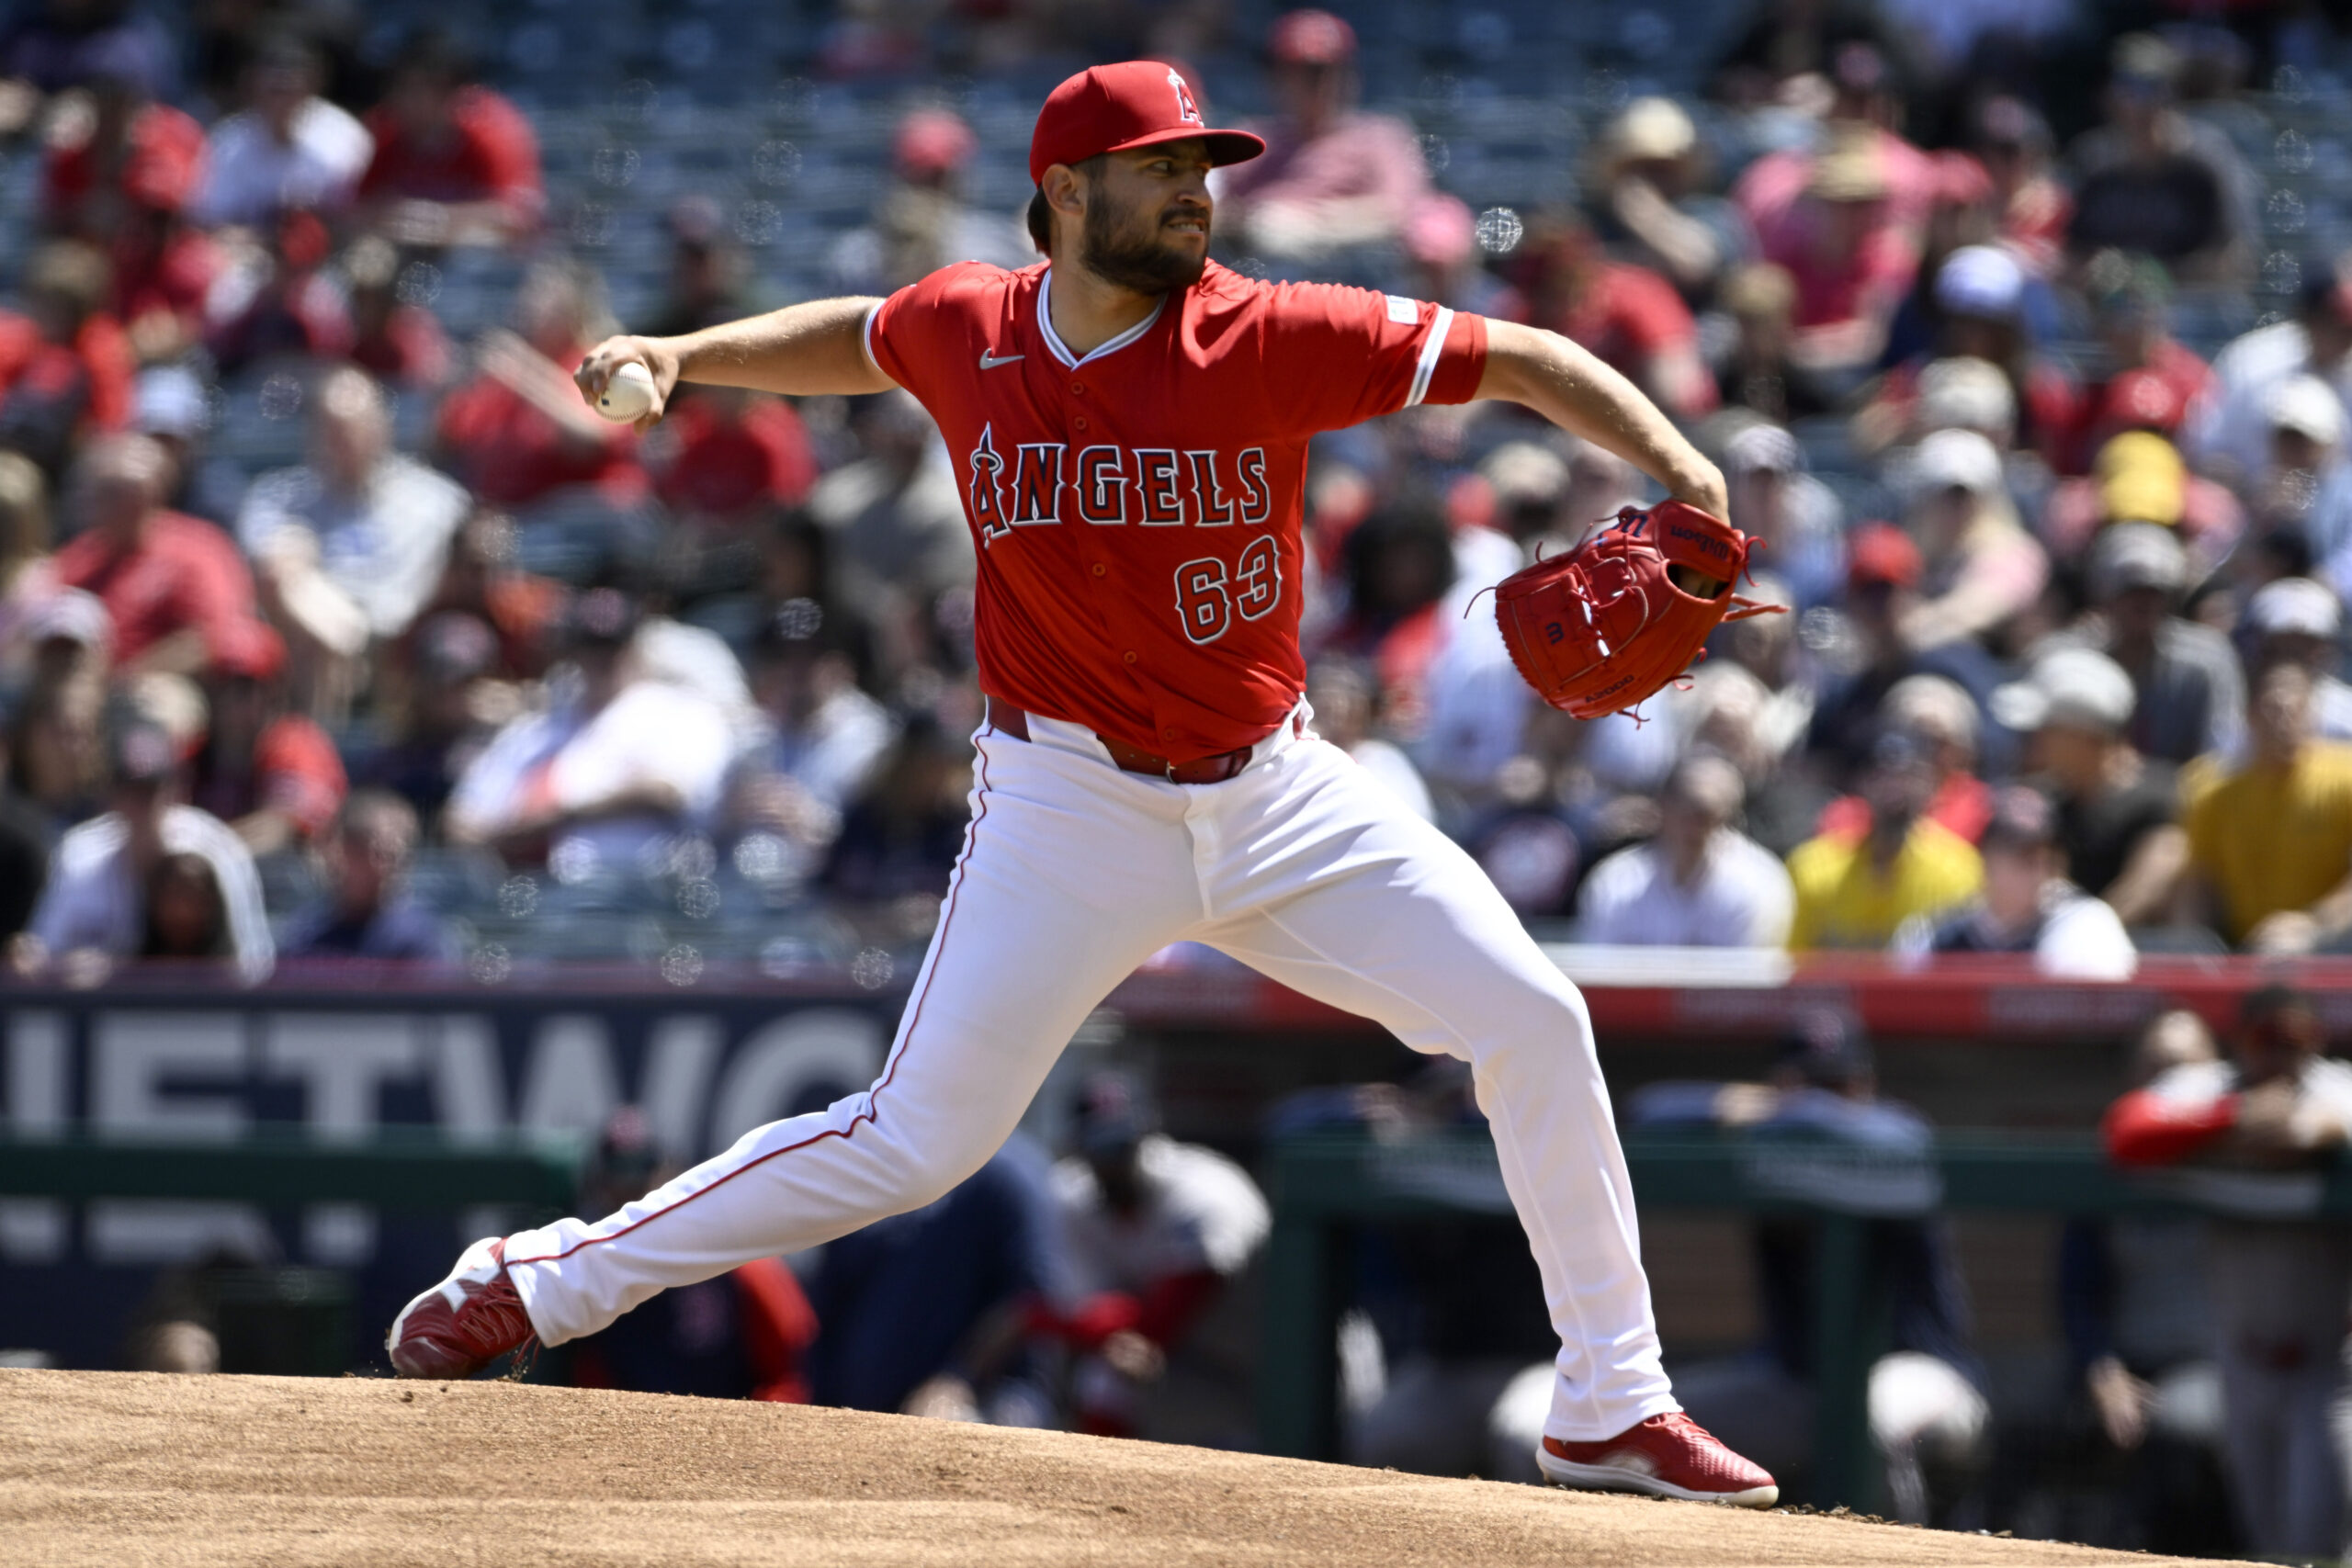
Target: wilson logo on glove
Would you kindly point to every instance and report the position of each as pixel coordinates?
(1601, 629)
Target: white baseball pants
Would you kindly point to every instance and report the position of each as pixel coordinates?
(1072, 874)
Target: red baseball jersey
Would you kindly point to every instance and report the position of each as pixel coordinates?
(1136, 510)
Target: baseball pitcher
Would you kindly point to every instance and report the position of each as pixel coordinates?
(1129, 422)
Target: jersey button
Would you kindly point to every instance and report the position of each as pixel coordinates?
(1131, 656)
(1099, 570)
(1078, 388)
(1079, 423)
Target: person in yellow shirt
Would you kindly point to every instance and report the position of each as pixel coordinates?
(1858, 892)
(2270, 839)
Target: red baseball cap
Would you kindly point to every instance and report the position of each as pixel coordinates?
(1110, 108)
(1882, 553)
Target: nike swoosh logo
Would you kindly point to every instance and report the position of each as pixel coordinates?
(989, 361)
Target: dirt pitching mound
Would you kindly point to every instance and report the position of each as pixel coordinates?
(125, 1469)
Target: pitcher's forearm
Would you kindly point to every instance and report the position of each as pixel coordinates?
(802, 350)
(1584, 397)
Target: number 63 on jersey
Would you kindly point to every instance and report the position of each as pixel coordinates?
(1209, 594)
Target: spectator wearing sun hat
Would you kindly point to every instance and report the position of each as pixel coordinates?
(1333, 175)
(1851, 257)
(1653, 209)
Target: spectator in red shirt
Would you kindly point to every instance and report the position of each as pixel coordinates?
(120, 174)
(273, 777)
(1628, 316)
(1979, 305)
(734, 454)
(400, 343)
(1332, 176)
(119, 148)
(455, 162)
(66, 366)
(519, 431)
(287, 305)
(2153, 378)
(178, 593)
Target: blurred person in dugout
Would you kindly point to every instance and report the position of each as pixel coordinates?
(152, 877)
(742, 1335)
(1333, 176)
(2270, 837)
(1155, 1230)
(2026, 904)
(2117, 812)
(2278, 1286)
(928, 1312)
(2139, 1326)
(1926, 1413)
(1441, 1314)
(1699, 883)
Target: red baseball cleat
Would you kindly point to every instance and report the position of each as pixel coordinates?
(463, 1324)
(1666, 1456)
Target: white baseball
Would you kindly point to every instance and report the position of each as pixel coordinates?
(628, 394)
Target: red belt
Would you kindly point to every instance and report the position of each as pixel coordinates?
(1012, 721)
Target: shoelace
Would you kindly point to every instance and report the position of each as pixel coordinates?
(491, 1321)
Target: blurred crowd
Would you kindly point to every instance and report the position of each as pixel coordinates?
(2035, 399)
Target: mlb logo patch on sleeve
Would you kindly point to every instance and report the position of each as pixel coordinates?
(1404, 312)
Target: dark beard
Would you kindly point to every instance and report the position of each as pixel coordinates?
(1130, 256)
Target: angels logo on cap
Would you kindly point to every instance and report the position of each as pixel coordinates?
(1186, 110)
